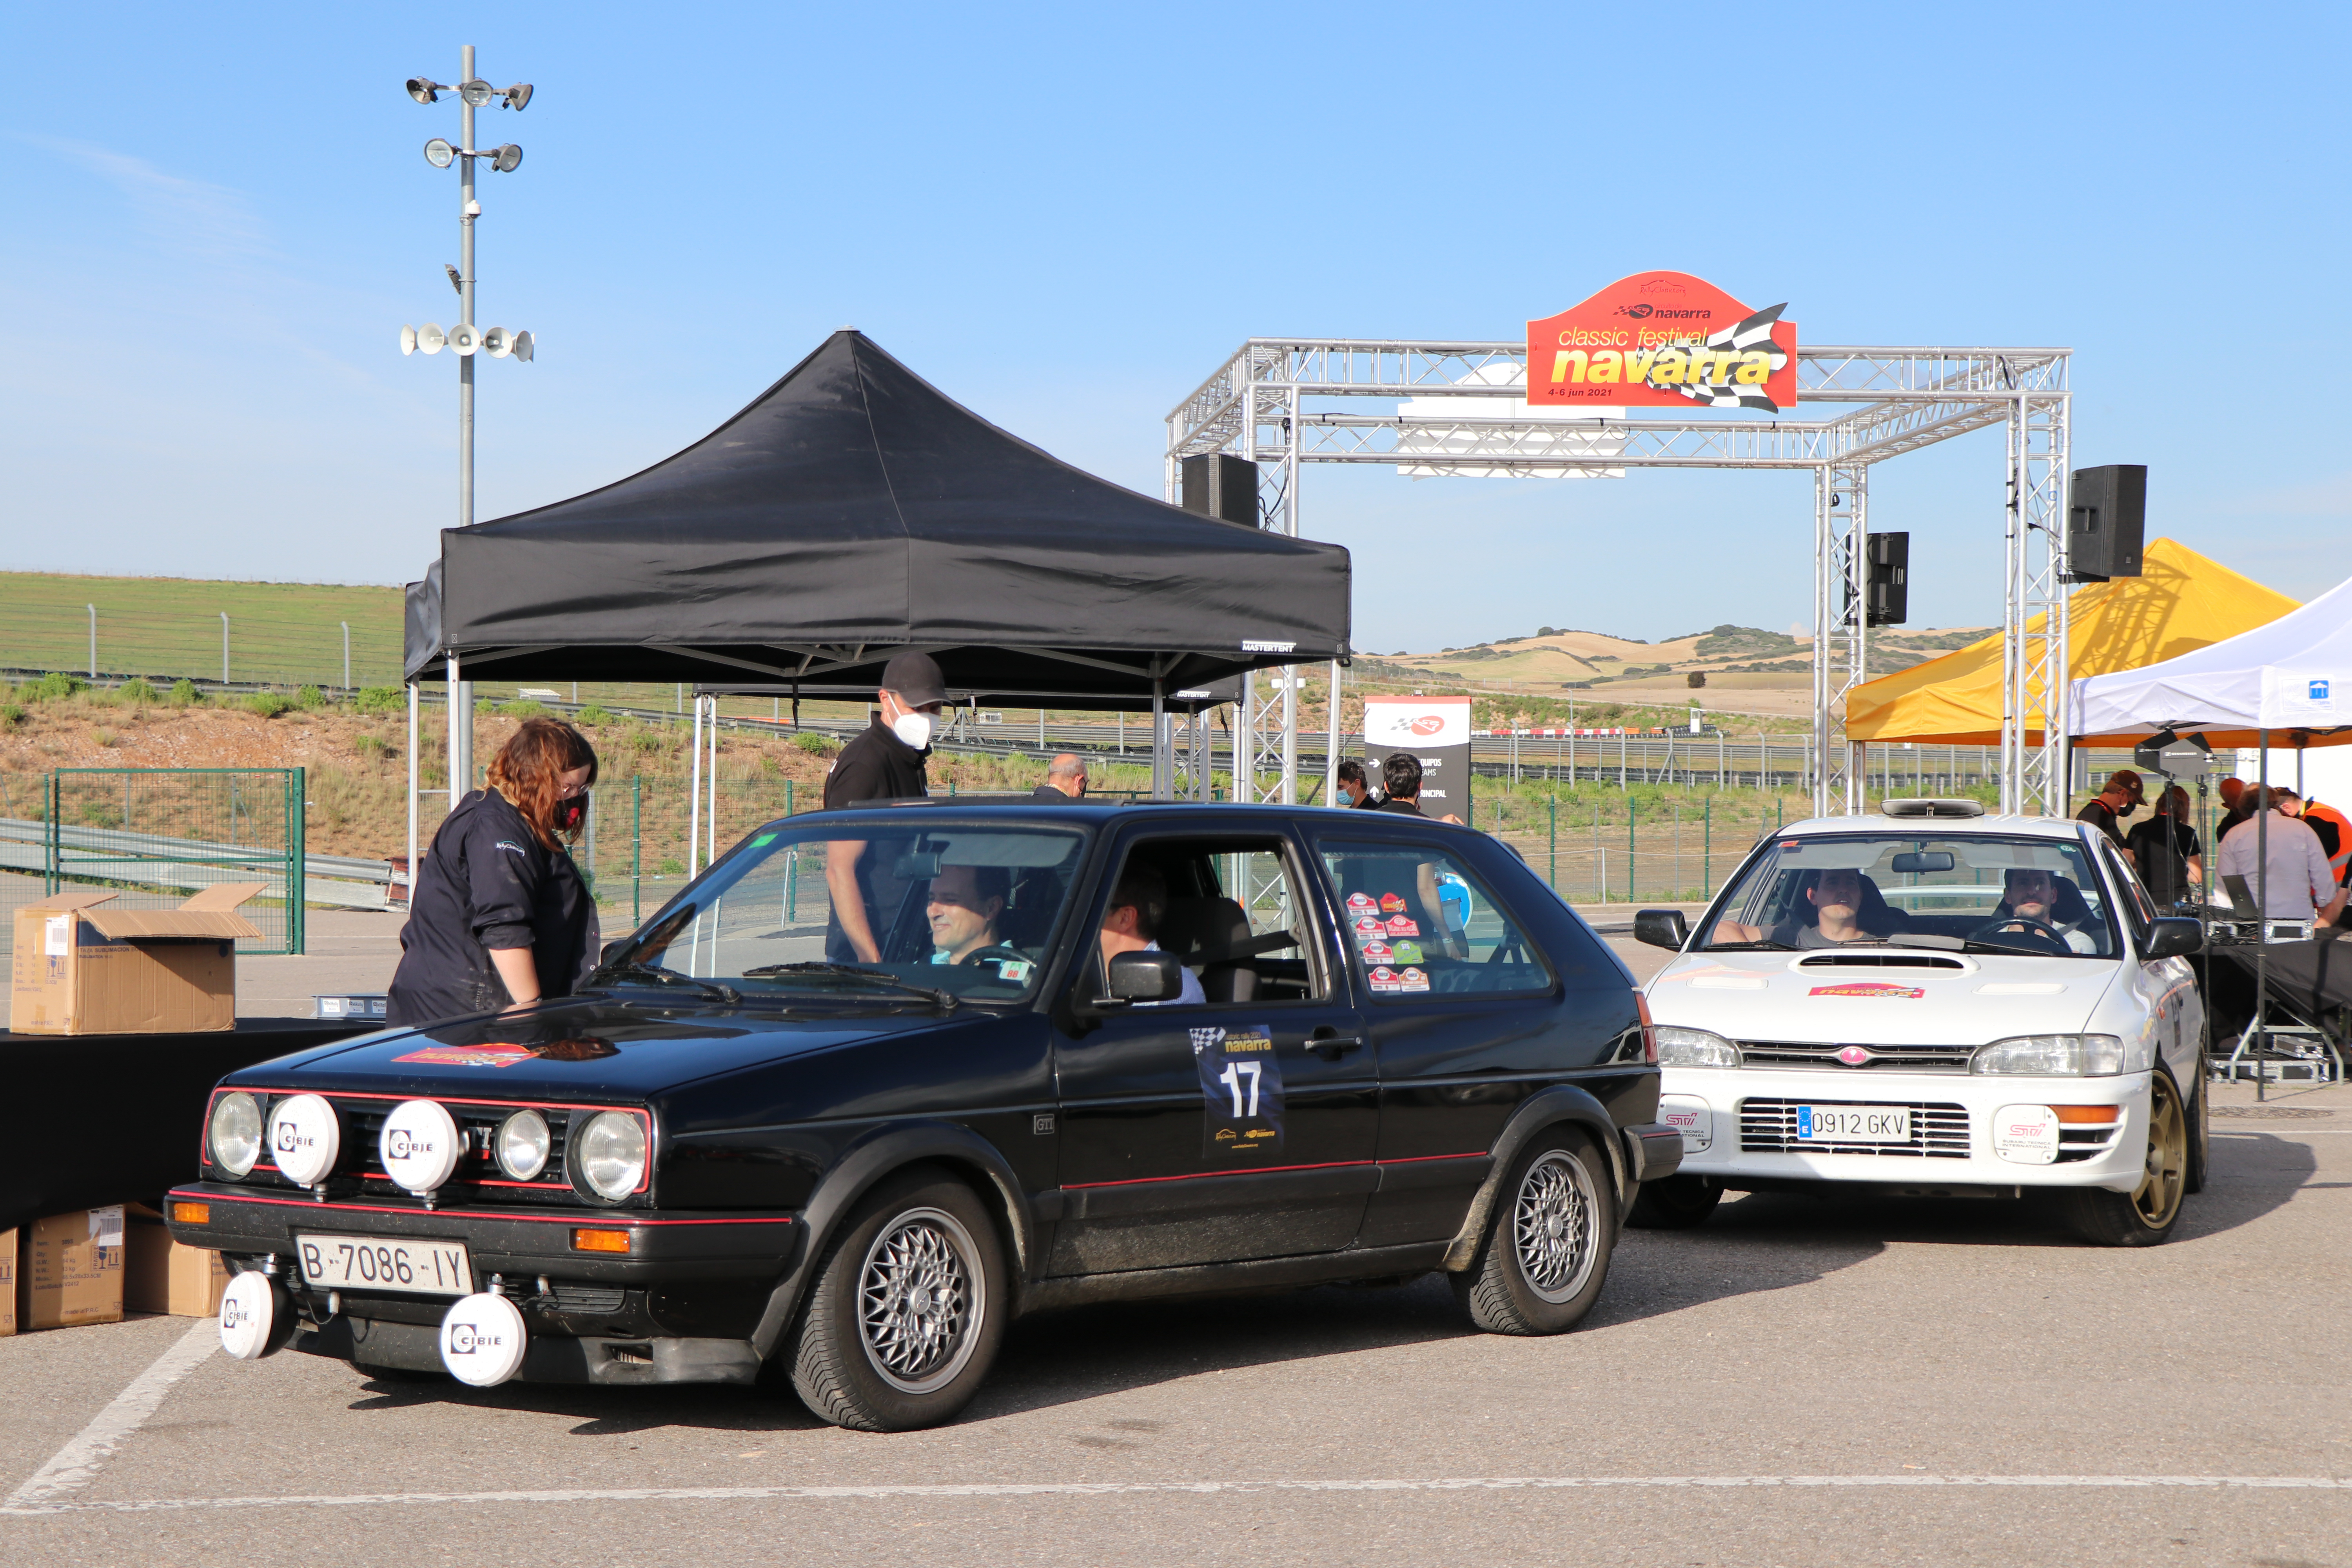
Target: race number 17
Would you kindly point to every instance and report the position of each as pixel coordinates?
(1232, 1078)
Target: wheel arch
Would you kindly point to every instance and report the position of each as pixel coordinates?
(873, 1159)
(1558, 1106)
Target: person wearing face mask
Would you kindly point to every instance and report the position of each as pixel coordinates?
(886, 762)
(499, 916)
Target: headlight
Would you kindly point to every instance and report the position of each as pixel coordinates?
(2058, 1056)
(1695, 1048)
(236, 1134)
(522, 1145)
(609, 1153)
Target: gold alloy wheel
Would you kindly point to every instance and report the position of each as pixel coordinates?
(2166, 1177)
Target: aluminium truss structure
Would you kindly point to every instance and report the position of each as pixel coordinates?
(1256, 407)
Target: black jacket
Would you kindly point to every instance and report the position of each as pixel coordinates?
(487, 883)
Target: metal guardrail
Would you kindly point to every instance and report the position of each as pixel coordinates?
(339, 881)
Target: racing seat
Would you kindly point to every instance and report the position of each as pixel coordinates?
(1211, 935)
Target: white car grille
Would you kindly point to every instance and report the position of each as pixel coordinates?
(1842, 1056)
(1937, 1132)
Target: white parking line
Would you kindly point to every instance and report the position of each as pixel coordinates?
(1196, 1489)
(76, 1464)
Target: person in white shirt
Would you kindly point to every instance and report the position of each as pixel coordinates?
(2300, 885)
(1132, 921)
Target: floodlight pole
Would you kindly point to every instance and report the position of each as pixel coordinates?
(461, 692)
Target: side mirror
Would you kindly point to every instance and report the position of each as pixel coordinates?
(1661, 928)
(1146, 977)
(2174, 936)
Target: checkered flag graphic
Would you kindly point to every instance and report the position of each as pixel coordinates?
(1755, 332)
(1207, 1040)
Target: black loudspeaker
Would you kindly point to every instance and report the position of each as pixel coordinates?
(2105, 523)
(1890, 579)
(1218, 484)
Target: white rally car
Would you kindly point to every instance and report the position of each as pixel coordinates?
(1933, 1002)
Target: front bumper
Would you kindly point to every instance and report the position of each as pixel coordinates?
(1731, 1141)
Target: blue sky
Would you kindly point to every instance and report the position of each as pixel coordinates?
(1065, 217)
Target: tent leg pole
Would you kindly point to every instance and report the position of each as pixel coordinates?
(694, 795)
(2262, 914)
(414, 780)
(1331, 742)
(1161, 789)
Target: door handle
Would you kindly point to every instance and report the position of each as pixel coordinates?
(1330, 1048)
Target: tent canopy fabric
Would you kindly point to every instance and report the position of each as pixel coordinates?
(851, 510)
(2181, 602)
(2292, 677)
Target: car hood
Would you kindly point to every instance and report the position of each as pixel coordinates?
(1778, 996)
(593, 1048)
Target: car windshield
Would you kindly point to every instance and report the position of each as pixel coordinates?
(1964, 892)
(937, 911)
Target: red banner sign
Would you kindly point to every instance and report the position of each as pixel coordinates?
(1664, 340)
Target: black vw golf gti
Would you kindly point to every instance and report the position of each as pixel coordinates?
(1051, 1055)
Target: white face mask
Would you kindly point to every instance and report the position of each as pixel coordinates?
(915, 728)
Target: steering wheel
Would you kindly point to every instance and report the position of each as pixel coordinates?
(999, 953)
(2034, 927)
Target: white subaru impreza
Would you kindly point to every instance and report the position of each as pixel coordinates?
(1933, 1002)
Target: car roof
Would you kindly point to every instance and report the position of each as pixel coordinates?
(2009, 826)
(1218, 814)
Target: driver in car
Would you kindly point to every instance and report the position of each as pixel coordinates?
(2030, 894)
(962, 910)
(1836, 899)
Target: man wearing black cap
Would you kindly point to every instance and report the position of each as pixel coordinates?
(886, 762)
(2106, 810)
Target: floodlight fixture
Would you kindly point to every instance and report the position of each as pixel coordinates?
(477, 92)
(455, 280)
(440, 153)
(517, 96)
(506, 159)
(425, 89)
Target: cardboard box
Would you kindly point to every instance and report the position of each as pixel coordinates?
(83, 969)
(160, 1275)
(72, 1270)
(7, 1283)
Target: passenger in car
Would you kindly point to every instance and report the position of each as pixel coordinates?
(1132, 924)
(962, 910)
(1837, 899)
(2029, 893)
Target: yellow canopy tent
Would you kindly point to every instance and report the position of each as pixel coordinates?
(2181, 602)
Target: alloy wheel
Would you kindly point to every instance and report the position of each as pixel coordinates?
(2165, 1175)
(920, 1293)
(1554, 1226)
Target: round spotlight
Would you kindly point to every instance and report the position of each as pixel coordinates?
(496, 341)
(516, 97)
(430, 338)
(440, 153)
(419, 1145)
(424, 89)
(254, 1320)
(408, 340)
(524, 346)
(523, 1145)
(464, 337)
(506, 159)
(477, 92)
(235, 1132)
(304, 1139)
(610, 1154)
(482, 1340)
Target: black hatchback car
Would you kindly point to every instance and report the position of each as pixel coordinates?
(1058, 1055)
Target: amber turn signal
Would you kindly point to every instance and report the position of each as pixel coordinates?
(2095, 1115)
(600, 1241)
(192, 1214)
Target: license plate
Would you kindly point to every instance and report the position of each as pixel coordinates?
(380, 1263)
(1854, 1124)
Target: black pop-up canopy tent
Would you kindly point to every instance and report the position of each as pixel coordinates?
(854, 510)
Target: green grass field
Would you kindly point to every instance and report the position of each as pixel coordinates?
(280, 633)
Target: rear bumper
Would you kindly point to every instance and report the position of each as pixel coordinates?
(1655, 1150)
(669, 1247)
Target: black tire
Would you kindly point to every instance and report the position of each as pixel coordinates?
(907, 1310)
(1546, 1252)
(2201, 1144)
(2145, 1216)
(1676, 1203)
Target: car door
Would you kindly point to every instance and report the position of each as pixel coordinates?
(1241, 1126)
(2166, 986)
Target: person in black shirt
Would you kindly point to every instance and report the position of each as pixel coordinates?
(886, 762)
(2105, 810)
(1065, 781)
(499, 915)
(2165, 850)
(1353, 790)
(1401, 781)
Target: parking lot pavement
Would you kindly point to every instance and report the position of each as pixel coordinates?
(349, 950)
(1798, 1381)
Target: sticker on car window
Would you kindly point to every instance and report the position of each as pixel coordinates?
(1406, 952)
(1360, 904)
(1392, 903)
(1378, 952)
(1370, 929)
(1383, 978)
(1402, 925)
(1411, 979)
(1241, 1094)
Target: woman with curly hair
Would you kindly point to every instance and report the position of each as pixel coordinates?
(497, 914)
